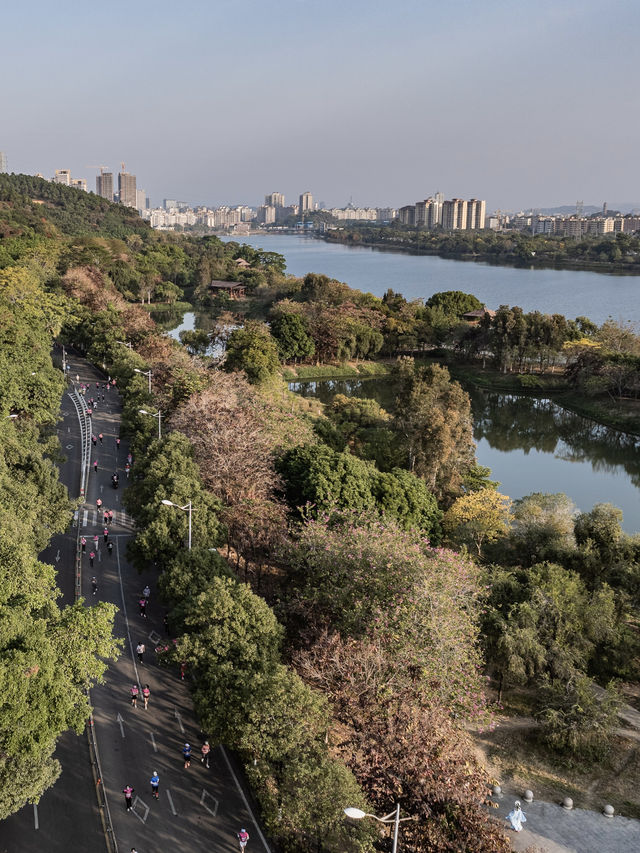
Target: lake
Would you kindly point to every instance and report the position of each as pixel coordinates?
(532, 445)
(569, 292)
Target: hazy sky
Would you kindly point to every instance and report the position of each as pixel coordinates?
(221, 101)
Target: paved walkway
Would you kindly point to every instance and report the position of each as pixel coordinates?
(552, 829)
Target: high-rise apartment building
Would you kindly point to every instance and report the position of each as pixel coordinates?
(127, 189)
(454, 214)
(266, 214)
(79, 184)
(3, 162)
(428, 213)
(274, 200)
(476, 212)
(62, 176)
(104, 185)
(407, 214)
(141, 200)
(306, 203)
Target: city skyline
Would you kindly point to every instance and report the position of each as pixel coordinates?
(469, 96)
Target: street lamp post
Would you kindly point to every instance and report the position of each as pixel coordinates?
(158, 416)
(125, 344)
(185, 508)
(146, 373)
(393, 817)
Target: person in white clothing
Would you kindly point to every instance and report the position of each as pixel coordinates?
(516, 817)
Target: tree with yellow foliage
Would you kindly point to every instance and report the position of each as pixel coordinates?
(478, 517)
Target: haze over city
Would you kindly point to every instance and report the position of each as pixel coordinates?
(525, 105)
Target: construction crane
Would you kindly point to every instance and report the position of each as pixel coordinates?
(122, 168)
(101, 167)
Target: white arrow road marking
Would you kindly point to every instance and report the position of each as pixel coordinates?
(213, 812)
(179, 719)
(58, 556)
(68, 429)
(36, 822)
(143, 805)
(101, 489)
(153, 741)
(120, 721)
(173, 808)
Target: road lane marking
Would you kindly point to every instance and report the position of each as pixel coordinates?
(179, 719)
(153, 742)
(244, 799)
(144, 806)
(36, 822)
(69, 446)
(173, 808)
(126, 619)
(120, 721)
(85, 517)
(213, 812)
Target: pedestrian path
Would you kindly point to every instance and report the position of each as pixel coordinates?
(552, 829)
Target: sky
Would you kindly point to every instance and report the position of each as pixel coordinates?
(525, 104)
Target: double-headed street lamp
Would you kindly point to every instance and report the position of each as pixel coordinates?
(158, 416)
(393, 817)
(146, 373)
(186, 508)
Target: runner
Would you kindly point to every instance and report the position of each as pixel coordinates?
(94, 585)
(95, 466)
(205, 749)
(117, 444)
(142, 604)
(105, 533)
(127, 468)
(100, 437)
(94, 439)
(83, 542)
(92, 557)
(134, 695)
(99, 504)
(243, 837)
(146, 591)
(109, 547)
(186, 752)
(140, 650)
(155, 782)
(96, 539)
(128, 793)
(145, 695)
(110, 516)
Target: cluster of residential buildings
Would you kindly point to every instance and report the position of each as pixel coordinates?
(436, 212)
(127, 192)
(273, 213)
(568, 226)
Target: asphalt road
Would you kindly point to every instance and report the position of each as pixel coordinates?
(198, 809)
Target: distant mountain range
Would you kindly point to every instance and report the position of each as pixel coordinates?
(588, 209)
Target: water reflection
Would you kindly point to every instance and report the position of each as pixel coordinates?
(531, 444)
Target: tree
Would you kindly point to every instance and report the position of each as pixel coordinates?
(478, 517)
(454, 303)
(433, 417)
(542, 527)
(253, 350)
(292, 336)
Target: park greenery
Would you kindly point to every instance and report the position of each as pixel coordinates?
(357, 581)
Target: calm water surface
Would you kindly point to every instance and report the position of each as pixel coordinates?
(567, 292)
(533, 445)
(530, 444)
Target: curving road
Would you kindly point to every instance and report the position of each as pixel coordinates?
(198, 809)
